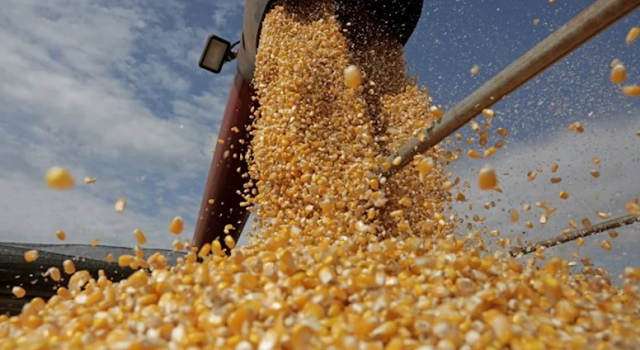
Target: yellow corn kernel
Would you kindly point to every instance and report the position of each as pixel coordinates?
(632, 35)
(58, 178)
(563, 194)
(474, 70)
(473, 154)
(95, 242)
(594, 173)
(536, 21)
(631, 90)
(125, 260)
(487, 178)
(19, 292)
(352, 77)
(618, 74)
(633, 208)
(437, 112)
(580, 242)
(140, 237)
(606, 245)
(229, 242)
(205, 250)
(488, 113)
(31, 256)
(177, 225)
(54, 274)
(110, 258)
(61, 235)
(503, 132)
(120, 205)
(425, 166)
(69, 267)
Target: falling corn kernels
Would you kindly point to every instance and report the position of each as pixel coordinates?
(564, 194)
(18, 292)
(69, 267)
(606, 245)
(631, 90)
(473, 154)
(88, 180)
(110, 258)
(437, 112)
(54, 274)
(536, 22)
(425, 166)
(58, 178)
(632, 35)
(596, 161)
(554, 168)
(120, 205)
(594, 173)
(177, 225)
(229, 241)
(514, 216)
(503, 132)
(61, 235)
(31, 256)
(633, 208)
(489, 152)
(603, 215)
(618, 74)
(488, 113)
(352, 76)
(487, 178)
(580, 242)
(140, 237)
(475, 70)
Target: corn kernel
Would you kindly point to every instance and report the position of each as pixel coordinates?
(564, 195)
(437, 112)
(58, 178)
(473, 154)
(88, 180)
(229, 241)
(606, 245)
(61, 235)
(352, 77)
(632, 35)
(95, 242)
(633, 208)
(140, 237)
(177, 225)
(488, 113)
(618, 74)
(120, 205)
(69, 267)
(31, 256)
(475, 70)
(18, 292)
(631, 90)
(487, 179)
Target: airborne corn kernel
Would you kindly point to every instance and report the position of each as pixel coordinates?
(487, 178)
(352, 76)
(618, 74)
(31, 256)
(631, 90)
(177, 225)
(120, 205)
(19, 292)
(632, 35)
(58, 178)
(140, 236)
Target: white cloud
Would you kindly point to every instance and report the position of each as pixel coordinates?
(107, 89)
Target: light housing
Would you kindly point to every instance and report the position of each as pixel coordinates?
(215, 54)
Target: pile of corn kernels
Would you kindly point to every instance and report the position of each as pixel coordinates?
(344, 259)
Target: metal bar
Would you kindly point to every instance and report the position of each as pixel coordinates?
(573, 235)
(563, 41)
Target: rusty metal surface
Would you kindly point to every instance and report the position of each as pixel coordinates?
(563, 41)
(574, 235)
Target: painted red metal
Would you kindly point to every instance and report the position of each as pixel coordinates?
(224, 181)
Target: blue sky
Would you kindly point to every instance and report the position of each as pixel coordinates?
(111, 89)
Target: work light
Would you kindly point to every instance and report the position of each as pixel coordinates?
(216, 53)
